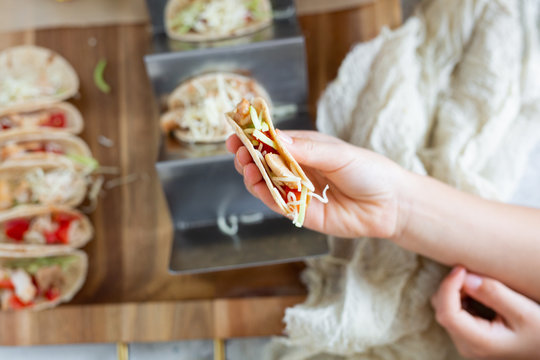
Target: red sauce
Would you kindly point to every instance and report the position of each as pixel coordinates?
(56, 120)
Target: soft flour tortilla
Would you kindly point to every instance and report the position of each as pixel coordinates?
(74, 120)
(260, 106)
(28, 211)
(175, 6)
(74, 273)
(49, 74)
(187, 95)
(16, 172)
(70, 144)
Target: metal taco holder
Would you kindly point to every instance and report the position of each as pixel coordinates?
(218, 225)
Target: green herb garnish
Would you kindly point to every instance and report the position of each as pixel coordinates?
(98, 76)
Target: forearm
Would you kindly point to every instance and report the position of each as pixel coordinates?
(498, 240)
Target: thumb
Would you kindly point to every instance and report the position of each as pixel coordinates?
(316, 150)
(505, 301)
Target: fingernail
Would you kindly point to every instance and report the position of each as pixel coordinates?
(455, 270)
(286, 138)
(473, 281)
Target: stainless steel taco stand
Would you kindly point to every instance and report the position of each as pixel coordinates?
(218, 225)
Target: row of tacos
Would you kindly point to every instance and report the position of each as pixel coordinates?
(44, 177)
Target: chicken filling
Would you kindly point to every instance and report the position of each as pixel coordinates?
(14, 149)
(51, 119)
(38, 186)
(25, 282)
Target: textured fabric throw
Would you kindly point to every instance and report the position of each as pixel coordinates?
(455, 94)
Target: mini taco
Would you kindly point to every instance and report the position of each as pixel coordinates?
(59, 116)
(37, 282)
(197, 107)
(22, 145)
(287, 182)
(32, 76)
(45, 182)
(43, 229)
(208, 20)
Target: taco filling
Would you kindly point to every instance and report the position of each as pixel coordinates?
(292, 189)
(197, 114)
(224, 16)
(49, 119)
(15, 149)
(29, 87)
(40, 186)
(24, 282)
(56, 228)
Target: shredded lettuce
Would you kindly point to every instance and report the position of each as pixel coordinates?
(303, 204)
(88, 162)
(255, 118)
(254, 7)
(185, 19)
(33, 265)
(263, 138)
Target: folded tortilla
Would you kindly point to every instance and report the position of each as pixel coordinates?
(209, 20)
(197, 107)
(44, 182)
(73, 266)
(58, 116)
(23, 145)
(46, 220)
(287, 182)
(31, 77)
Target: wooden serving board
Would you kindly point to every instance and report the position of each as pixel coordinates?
(129, 294)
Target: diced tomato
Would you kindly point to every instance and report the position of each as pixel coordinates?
(5, 123)
(57, 120)
(53, 148)
(6, 284)
(52, 294)
(48, 148)
(60, 217)
(16, 228)
(16, 303)
(61, 235)
(50, 237)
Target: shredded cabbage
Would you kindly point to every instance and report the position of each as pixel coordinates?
(303, 204)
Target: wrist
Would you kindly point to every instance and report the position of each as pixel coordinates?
(405, 195)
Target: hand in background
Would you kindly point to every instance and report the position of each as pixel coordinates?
(513, 334)
(363, 195)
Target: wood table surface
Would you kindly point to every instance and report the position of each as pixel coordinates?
(129, 294)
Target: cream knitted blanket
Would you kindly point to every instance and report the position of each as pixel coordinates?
(454, 93)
